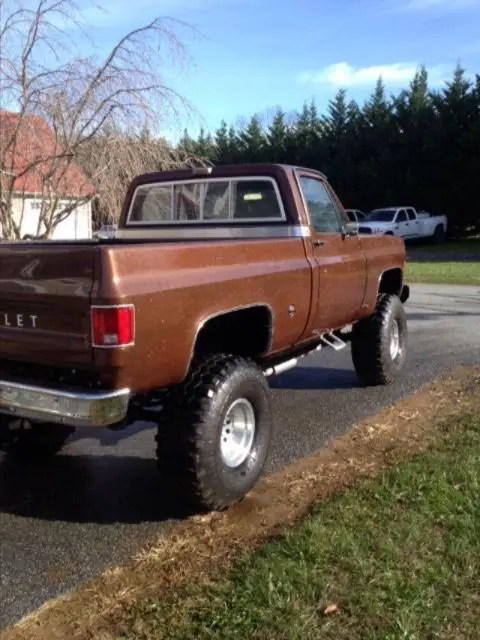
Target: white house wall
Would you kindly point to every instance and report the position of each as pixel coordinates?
(77, 226)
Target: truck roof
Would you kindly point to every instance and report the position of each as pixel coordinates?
(402, 206)
(225, 170)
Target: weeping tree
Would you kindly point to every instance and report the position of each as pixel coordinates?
(114, 157)
(56, 103)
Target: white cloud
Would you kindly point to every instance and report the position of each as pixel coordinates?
(446, 5)
(399, 74)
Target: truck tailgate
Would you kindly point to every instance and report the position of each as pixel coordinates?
(45, 292)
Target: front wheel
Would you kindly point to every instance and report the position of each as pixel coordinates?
(215, 431)
(379, 342)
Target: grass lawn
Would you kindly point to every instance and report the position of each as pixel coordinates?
(444, 272)
(396, 557)
(454, 262)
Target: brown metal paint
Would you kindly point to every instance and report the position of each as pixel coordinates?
(383, 254)
(177, 286)
(52, 283)
(339, 270)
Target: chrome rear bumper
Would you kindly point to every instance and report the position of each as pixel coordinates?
(99, 409)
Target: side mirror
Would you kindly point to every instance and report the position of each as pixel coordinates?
(350, 229)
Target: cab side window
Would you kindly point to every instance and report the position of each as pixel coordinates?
(402, 216)
(324, 214)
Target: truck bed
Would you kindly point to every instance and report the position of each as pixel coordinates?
(48, 290)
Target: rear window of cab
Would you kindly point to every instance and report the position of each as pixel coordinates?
(252, 199)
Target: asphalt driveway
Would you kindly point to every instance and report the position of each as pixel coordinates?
(100, 500)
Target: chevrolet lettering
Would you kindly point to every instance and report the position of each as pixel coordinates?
(18, 320)
(215, 280)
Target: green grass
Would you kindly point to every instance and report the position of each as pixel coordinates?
(399, 556)
(444, 272)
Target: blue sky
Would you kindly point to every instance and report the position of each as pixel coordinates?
(251, 55)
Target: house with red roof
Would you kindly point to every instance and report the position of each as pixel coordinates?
(40, 172)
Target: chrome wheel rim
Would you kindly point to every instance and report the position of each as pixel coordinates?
(238, 433)
(395, 347)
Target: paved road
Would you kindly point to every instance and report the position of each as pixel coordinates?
(99, 501)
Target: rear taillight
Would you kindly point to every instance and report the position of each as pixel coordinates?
(113, 326)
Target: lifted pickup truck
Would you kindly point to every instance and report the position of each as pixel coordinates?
(216, 280)
(405, 222)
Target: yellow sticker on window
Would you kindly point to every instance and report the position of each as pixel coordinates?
(253, 196)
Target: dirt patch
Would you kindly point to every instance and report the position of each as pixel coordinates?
(205, 545)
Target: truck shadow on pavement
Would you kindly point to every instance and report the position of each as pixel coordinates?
(101, 489)
(315, 378)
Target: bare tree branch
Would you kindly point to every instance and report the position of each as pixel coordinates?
(65, 102)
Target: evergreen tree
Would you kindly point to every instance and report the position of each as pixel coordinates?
(204, 146)
(223, 151)
(376, 137)
(277, 135)
(187, 144)
(336, 121)
(234, 144)
(307, 132)
(253, 141)
(418, 147)
(418, 96)
(457, 144)
(335, 128)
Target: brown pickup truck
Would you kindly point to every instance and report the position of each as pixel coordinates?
(216, 279)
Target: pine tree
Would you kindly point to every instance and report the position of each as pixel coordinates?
(336, 121)
(418, 96)
(253, 141)
(204, 147)
(419, 147)
(376, 142)
(186, 143)
(277, 138)
(308, 132)
(222, 144)
(457, 145)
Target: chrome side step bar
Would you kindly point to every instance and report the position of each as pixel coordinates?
(328, 340)
(333, 341)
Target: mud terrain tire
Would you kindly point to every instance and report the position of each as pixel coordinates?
(379, 342)
(208, 465)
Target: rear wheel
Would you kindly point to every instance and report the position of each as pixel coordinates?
(379, 342)
(25, 438)
(215, 431)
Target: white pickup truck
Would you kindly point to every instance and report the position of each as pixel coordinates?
(405, 222)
